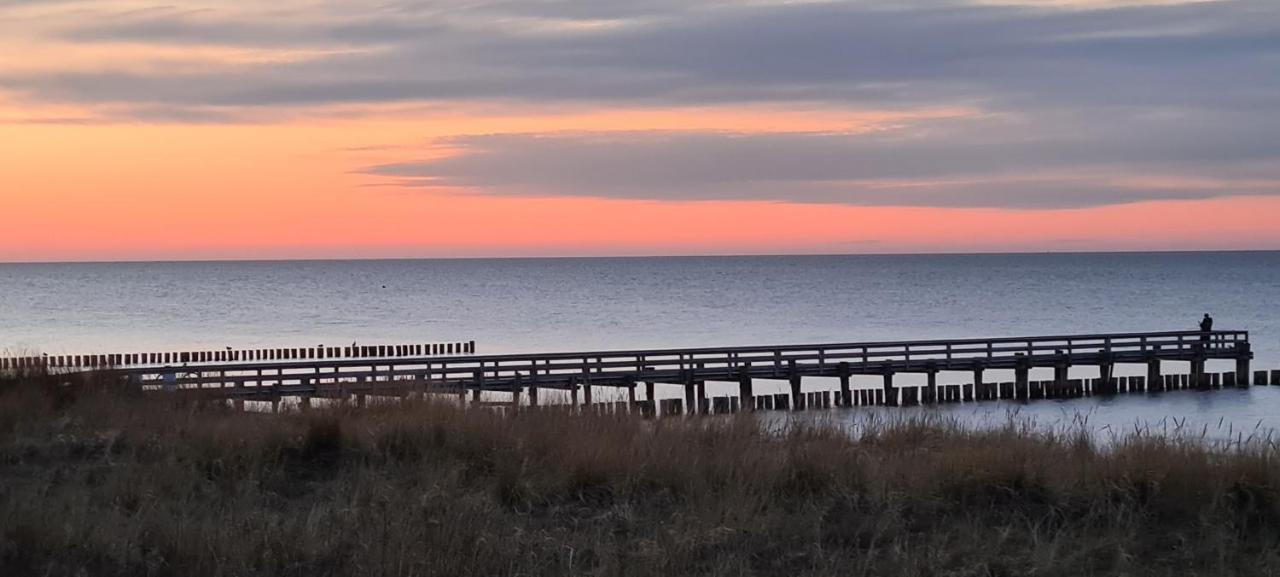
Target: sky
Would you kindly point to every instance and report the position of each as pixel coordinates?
(230, 129)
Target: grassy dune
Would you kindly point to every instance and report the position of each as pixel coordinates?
(93, 483)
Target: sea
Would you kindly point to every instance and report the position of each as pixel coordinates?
(572, 304)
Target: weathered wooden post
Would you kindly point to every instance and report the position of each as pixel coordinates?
(890, 391)
(1022, 378)
(797, 397)
(1106, 372)
(516, 386)
(1243, 356)
(931, 384)
(1199, 379)
(689, 391)
(649, 391)
(846, 396)
(1260, 377)
(239, 401)
(744, 387)
(1154, 379)
(1061, 368)
(978, 384)
(704, 403)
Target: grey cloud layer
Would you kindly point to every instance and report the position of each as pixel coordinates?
(846, 53)
(976, 164)
(1189, 90)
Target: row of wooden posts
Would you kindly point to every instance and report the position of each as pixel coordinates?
(232, 355)
(952, 393)
(696, 402)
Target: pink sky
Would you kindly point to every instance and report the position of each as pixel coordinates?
(129, 130)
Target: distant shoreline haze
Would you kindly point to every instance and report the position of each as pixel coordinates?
(692, 255)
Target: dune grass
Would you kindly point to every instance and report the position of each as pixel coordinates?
(93, 482)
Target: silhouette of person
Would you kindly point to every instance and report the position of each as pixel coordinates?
(1206, 325)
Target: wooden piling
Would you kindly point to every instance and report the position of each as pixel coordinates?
(1244, 355)
(690, 391)
(890, 391)
(846, 396)
(797, 401)
(1022, 379)
(931, 386)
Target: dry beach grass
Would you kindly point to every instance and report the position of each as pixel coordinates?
(94, 482)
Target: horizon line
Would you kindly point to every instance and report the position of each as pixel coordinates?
(639, 256)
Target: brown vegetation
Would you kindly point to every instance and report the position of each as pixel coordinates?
(99, 484)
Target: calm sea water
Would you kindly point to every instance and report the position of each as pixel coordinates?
(572, 304)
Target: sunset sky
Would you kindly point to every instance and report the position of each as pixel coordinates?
(134, 129)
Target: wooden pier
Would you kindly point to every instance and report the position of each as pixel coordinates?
(516, 379)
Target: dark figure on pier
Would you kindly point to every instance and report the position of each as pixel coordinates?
(1206, 325)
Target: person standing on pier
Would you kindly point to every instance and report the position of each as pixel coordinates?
(1206, 326)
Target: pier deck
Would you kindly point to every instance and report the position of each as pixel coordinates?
(691, 368)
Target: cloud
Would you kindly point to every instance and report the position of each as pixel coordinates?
(972, 163)
(845, 53)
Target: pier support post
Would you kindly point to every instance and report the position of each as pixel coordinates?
(587, 399)
(744, 388)
(978, 385)
(533, 395)
(1022, 378)
(1243, 356)
(1106, 374)
(797, 397)
(689, 399)
(573, 394)
(516, 387)
(846, 396)
(631, 393)
(648, 392)
(1061, 369)
(1199, 379)
(1155, 382)
(931, 387)
(890, 392)
(704, 404)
